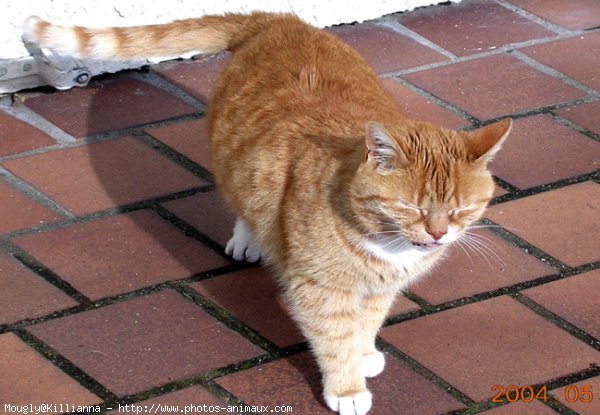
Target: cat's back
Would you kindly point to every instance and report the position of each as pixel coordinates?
(286, 117)
(291, 66)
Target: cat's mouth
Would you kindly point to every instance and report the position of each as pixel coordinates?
(427, 246)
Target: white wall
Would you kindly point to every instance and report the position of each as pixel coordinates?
(14, 58)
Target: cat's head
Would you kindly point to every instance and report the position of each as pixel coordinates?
(424, 185)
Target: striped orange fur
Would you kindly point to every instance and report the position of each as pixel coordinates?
(345, 197)
(206, 35)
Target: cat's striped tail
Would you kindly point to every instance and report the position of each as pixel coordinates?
(208, 34)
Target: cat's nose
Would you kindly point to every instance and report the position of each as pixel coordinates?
(436, 224)
(437, 233)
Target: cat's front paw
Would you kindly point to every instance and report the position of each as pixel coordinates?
(357, 404)
(372, 364)
(242, 246)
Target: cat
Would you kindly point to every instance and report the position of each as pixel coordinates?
(344, 196)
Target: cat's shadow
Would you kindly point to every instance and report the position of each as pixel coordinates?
(306, 366)
(134, 177)
(114, 181)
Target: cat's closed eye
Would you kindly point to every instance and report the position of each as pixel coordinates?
(463, 212)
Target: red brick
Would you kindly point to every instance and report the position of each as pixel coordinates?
(493, 86)
(17, 136)
(189, 138)
(145, 342)
(25, 295)
(472, 26)
(572, 14)
(585, 116)
(107, 105)
(577, 57)
(18, 211)
(551, 147)
(493, 342)
(207, 212)
(197, 77)
(102, 175)
(575, 299)
(386, 50)
(564, 222)
(463, 274)
(119, 254)
(253, 297)
(418, 107)
(577, 396)
(295, 381)
(498, 191)
(402, 305)
(28, 378)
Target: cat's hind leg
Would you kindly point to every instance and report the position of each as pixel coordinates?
(243, 246)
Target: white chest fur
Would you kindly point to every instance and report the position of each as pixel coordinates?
(404, 257)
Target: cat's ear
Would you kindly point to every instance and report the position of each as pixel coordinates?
(484, 142)
(382, 151)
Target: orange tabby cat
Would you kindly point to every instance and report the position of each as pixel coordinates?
(344, 196)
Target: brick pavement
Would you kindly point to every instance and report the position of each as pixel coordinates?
(115, 288)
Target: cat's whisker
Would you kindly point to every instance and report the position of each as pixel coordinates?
(404, 243)
(383, 232)
(391, 224)
(478, 240)
(483, 249)
(390, 243)
(478, 236)
(379, 233)
(396, 243)
(480, 226)
(475, 248)
(493, 254)
(483, 243)
(386, 223)
(480, 254)
(460, 245)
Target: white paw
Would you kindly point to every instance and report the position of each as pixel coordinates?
(242, 245)
(373, 364)
(358, 404)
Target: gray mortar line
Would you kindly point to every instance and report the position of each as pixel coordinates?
(34, 193)
(436, 65)
(403, 30)
(62, 146)
(32, 118)
(34, 152)
(553, 27)
(154, 79)
(546, 109)
(96, 138)
(574, 126)
(492, 52)
(554, 73)
(438, 101)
